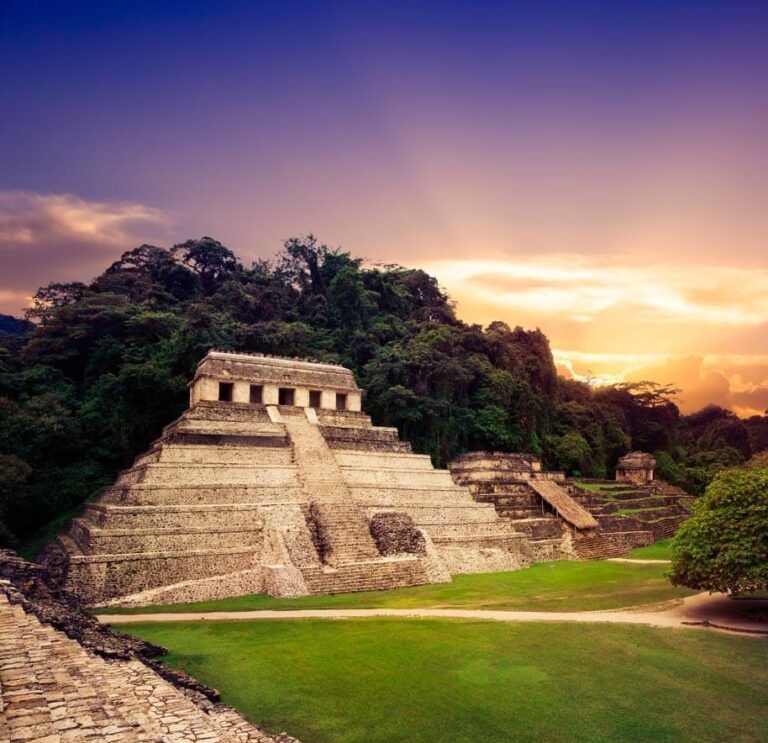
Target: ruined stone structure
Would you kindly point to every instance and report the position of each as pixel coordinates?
(511, 482)
(635, 468)
(274, 481)
(64, 677)
(566, 519)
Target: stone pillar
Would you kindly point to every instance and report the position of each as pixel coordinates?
(241, 392)
(205, 388)
(328, 399)
(270, 394)
(354, 402)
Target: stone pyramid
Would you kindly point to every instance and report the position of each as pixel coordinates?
(274, 481)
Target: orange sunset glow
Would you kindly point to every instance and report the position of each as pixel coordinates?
(621, 319)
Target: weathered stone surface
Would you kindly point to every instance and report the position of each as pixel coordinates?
(636, 467)
(560, 518)
(65, 677)
(395, 533)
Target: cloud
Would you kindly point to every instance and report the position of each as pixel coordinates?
(583, 289)
(63, 237)
(737, 381)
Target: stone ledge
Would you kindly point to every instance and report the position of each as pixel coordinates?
(138, 556)
(98, 532)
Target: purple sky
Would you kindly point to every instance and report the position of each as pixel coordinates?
(603, 163)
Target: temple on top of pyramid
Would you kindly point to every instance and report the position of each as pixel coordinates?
(274, 480)
(269, 380)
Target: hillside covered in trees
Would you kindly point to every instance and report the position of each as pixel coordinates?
(99, 368)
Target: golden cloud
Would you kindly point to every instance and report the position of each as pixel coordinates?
(581, 288)
(62, 237)
(618, 318)
(738, 382)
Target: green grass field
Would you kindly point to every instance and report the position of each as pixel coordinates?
(603, 488)
(552, 586)
(429, 681)
(661, 550)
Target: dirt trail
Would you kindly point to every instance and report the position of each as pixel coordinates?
(714, 611)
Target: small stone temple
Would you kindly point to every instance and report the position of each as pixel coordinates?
(275, 481)
(636, 468)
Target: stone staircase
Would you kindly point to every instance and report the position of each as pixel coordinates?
(384, 476)
(52, 690)
(340, 527)
(602, 522)
(504, 484)
(376, 575)
(340, 531)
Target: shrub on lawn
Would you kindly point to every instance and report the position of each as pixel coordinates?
(724, 545)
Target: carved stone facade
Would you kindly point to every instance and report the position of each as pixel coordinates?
(243, 494)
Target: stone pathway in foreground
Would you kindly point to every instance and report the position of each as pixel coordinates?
(713, 611)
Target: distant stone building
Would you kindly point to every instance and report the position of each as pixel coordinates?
(274, 481)
(636, 468)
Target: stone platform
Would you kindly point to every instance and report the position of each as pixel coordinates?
(270, 482)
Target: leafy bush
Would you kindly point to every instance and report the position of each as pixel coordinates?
(724, 545)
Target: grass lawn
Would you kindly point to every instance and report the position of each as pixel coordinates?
(552, 586)
(430, 681)
(661, 550)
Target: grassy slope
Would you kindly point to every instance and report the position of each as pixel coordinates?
(605, 489)
(552, 586)
(382, 681)
(661, 550)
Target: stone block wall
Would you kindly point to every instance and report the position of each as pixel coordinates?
(65, 677)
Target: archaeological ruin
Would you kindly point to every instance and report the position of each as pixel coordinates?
(566, 518)
(275, 481)
(635, 468)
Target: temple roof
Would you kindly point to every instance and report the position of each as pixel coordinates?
(636, 460)
(260, 368)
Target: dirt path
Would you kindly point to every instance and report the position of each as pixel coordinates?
(703, 610)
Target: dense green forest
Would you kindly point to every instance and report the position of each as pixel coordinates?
(96, 370)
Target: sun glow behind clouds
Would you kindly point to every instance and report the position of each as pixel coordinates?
(581, 288)
(615, 318)
(63, 237)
